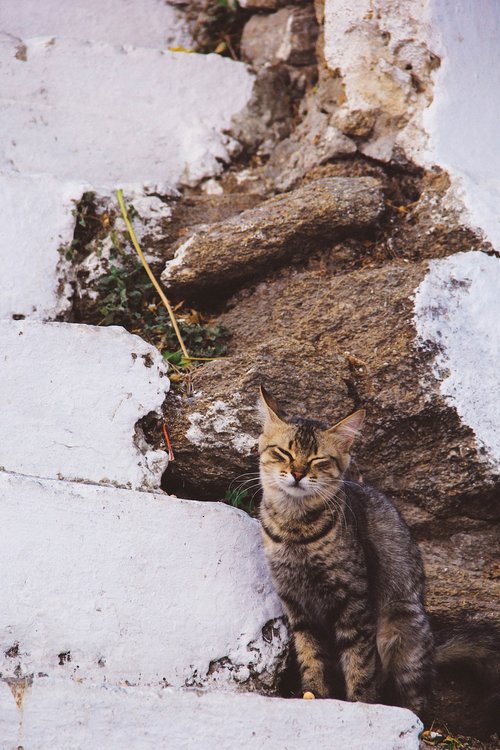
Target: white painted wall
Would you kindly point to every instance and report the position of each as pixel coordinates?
(72, 395)
(137, 586)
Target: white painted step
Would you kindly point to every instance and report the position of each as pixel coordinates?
(71, 398)
(68, 716)
(142, 23)
(135, 587)
(113, 116)
(36, 219)
(89, 116)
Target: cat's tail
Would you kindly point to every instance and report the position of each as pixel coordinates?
(474, 647)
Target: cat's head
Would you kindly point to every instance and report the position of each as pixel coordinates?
(302, 458)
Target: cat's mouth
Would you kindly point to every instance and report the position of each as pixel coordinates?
(296, 490)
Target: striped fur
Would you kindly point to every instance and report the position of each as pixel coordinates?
(349, 575)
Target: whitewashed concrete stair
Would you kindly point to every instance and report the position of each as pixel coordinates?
(71, 399)
(80, 114)
(109, 593)
(61, 716)
(124, 587)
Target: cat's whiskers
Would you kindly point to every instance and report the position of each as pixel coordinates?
(332, 503)
(249, 474)
(250, 488)
(343, 498)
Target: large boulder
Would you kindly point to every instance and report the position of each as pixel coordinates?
(285, 227)
(326, 345)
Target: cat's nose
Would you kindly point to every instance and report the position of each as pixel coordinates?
(297, 475)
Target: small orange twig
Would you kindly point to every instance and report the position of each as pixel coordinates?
(171, 456)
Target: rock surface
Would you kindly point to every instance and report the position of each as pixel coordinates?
(288, 36)
(74, 395)
(58, 714)
(382, 81)
(332, 357)
(282, 228)
(122, 587)
(326, 345)
(314, 142)
(384, 62)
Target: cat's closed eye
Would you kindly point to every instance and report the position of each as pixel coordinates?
(281, 455)
(320, 461)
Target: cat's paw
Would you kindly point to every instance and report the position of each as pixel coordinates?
(308, 696)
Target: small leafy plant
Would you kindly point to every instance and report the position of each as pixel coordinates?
(241, 499)
(124, 294)
(128, 298)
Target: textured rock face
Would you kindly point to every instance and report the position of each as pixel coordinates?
(356, 345)
(288, 36)
(281, 228)
(57, 715)
(380, 53)
(74, 396)
(108, 585)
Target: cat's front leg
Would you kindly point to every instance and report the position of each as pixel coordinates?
(310, 657)
(359, 665)
(309, 651)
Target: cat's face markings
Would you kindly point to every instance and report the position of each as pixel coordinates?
(302, 459)
(297, 470)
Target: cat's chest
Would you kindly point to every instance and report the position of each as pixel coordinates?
(305, 573)
(317, 578)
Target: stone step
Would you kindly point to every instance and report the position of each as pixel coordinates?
(147, 23)
(140, 116)
(73, 395)
(37, 220)
(117, 586)
(65, 715)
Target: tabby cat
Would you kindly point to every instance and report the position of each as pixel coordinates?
(345, 567)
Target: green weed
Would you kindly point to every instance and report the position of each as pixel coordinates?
(128, 298)
(241, 499)
(124, 294)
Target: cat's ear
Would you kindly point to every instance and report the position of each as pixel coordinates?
(268, 408)
(348, 429)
